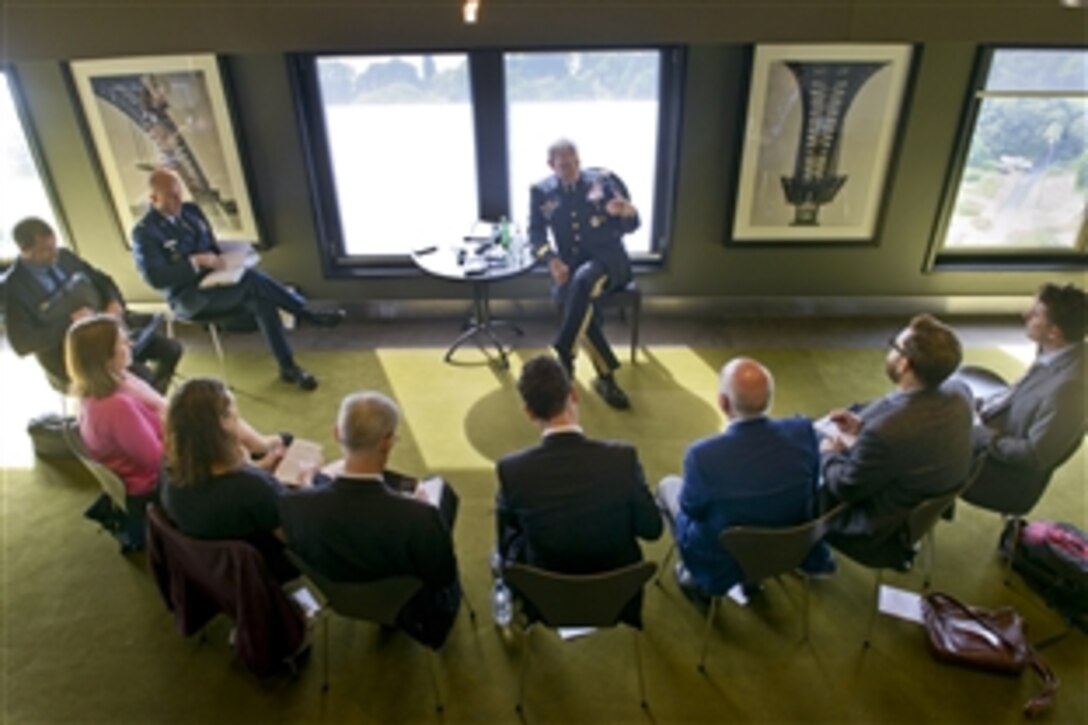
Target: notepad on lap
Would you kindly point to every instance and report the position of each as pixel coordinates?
(432, 487)
(301, 457)
(237, 257)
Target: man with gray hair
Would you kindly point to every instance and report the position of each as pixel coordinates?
(758, 472)
(367, 524)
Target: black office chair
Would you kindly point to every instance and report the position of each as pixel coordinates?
(565, 600)
(630, 297)
(379, 602)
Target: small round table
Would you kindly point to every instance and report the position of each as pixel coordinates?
(479, 262)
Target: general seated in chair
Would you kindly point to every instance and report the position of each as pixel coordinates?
(570, 504)
(759, 472)
(49, 288)
(362, 526)
(910, 445)
(175, 249)
(1031, 427)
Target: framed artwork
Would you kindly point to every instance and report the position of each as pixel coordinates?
(166, 111)
(818, 139)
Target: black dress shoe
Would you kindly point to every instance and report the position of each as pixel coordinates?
(607, 388)
(323, 318)
(299, 377)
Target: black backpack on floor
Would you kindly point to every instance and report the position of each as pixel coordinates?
(1053, 559)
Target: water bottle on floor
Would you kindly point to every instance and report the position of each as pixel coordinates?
(502, 604)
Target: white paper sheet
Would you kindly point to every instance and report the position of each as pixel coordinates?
(900, 603)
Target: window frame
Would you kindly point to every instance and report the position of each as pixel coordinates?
(939, 258)
(487, 95)
(33, 142)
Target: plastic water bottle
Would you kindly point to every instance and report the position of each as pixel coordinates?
(504, 233)
(502, 604)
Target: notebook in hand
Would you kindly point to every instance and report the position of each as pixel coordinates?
(299, 462)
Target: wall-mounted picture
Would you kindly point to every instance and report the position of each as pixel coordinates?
(168, 111)
(818, 140)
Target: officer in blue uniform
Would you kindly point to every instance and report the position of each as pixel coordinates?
(588, 213)
(175, 249)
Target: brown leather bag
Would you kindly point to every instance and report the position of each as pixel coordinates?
(987, 639)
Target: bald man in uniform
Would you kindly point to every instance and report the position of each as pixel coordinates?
(758, 472)
(588, 212)
(175, 248)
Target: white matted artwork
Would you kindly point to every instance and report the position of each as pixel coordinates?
(819, 134)
(166, 111)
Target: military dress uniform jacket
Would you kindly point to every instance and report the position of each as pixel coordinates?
(581, 227)
(162, 247)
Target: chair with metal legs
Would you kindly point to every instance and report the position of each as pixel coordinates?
(765, 553)
(590, 600)
(379, 602)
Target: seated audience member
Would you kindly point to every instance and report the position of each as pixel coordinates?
(175, 249)
(910, 445)
(571, 504)
(212, 488)
(119, 422)
(759, 472)
(1028, 429)
(49, 288)
(358, 528)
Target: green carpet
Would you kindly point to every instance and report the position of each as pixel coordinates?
(85, 637)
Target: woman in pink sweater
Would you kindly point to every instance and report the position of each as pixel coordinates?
(121, 421)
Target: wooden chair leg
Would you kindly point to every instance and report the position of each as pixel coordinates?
(713, 609)
(519, 708)
(641, 676)
(665, 563)
(875, 609)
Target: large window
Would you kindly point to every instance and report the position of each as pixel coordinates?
(408, 151)
(605, 101)
(1022, 182)
(24, 191)
(400, 132)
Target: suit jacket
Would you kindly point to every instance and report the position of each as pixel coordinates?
(574, 505)
(161, 249)
(37, 320)
(582, 229)
(1036, 428)
(759, 472)
(361, 530)
(912, 446)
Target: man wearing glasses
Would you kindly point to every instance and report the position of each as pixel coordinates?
(910, 445)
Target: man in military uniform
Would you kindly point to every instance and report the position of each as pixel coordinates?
(175, 249)
(588, 213)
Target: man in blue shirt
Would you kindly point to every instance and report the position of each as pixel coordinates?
(758, 472)
(175, 248)
(588, 213)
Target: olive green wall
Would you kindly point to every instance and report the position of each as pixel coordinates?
(38, 37)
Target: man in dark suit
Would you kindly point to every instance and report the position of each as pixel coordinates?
(570, 504)
(359, 528)
(759, 472)
(588, 213)
(910, 445)
(174, 249)
(48, 288)
(1030, 428)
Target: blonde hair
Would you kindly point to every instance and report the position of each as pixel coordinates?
(89, 348)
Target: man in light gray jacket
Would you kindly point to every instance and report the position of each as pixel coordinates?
(1034, 425)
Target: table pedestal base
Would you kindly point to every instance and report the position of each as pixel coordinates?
(481, 325)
